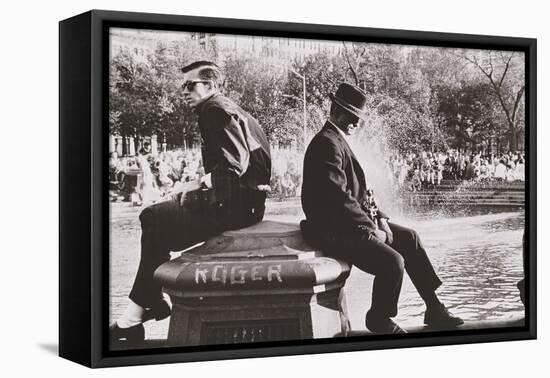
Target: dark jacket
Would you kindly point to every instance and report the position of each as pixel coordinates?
(235, 151)
(470, 172)
(334, 189)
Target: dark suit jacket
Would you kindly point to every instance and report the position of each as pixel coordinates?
(235, 151)
(334, 187)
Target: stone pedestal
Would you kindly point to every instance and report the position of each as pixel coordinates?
(261, 283)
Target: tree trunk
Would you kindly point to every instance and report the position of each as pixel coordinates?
(512, 138)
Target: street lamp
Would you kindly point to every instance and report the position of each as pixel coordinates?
(303, 77)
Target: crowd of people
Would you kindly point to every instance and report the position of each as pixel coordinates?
(148, 177)
(415, 171)
(286, 173)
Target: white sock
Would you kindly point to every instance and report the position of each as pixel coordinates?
(132, 316)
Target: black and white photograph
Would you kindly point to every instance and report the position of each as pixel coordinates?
(275, 189)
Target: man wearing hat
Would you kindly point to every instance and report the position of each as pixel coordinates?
(343, 220)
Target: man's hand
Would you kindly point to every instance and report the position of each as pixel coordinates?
(206, 181)
(380, 235)
(383, 225)
(182, 188)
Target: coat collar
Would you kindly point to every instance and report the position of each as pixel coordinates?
(331, 127)
(201, 106)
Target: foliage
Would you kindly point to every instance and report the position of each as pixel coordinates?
(145, 95)
(419, 97)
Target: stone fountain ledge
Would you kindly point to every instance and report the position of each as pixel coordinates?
(261, 283)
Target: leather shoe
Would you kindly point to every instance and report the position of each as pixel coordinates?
(126, 335)
(382, 325)
(158, 311)
(440, 317)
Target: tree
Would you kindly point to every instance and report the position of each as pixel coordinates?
(257, 85)
(399, 95)
(130, 93)
(145, 94)
(469, 115)
(323, 74)
(505, 71)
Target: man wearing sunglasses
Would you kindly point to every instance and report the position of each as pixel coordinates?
(231, 195)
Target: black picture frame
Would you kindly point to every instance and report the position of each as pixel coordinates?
(83, 196)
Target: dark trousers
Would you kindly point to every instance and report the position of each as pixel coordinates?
(387, 263)
(168, 226)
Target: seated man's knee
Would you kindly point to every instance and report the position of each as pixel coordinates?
(414, 235)
(399, 264)
(409, 234)
(165, 210)
(146, 216)
(395, 264)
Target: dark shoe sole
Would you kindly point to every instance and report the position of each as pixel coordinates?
(118, 336)
(444, 324)
(389, 328)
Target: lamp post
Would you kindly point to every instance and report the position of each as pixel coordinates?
(303, 77)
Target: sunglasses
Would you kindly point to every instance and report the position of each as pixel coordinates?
(190, 85)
